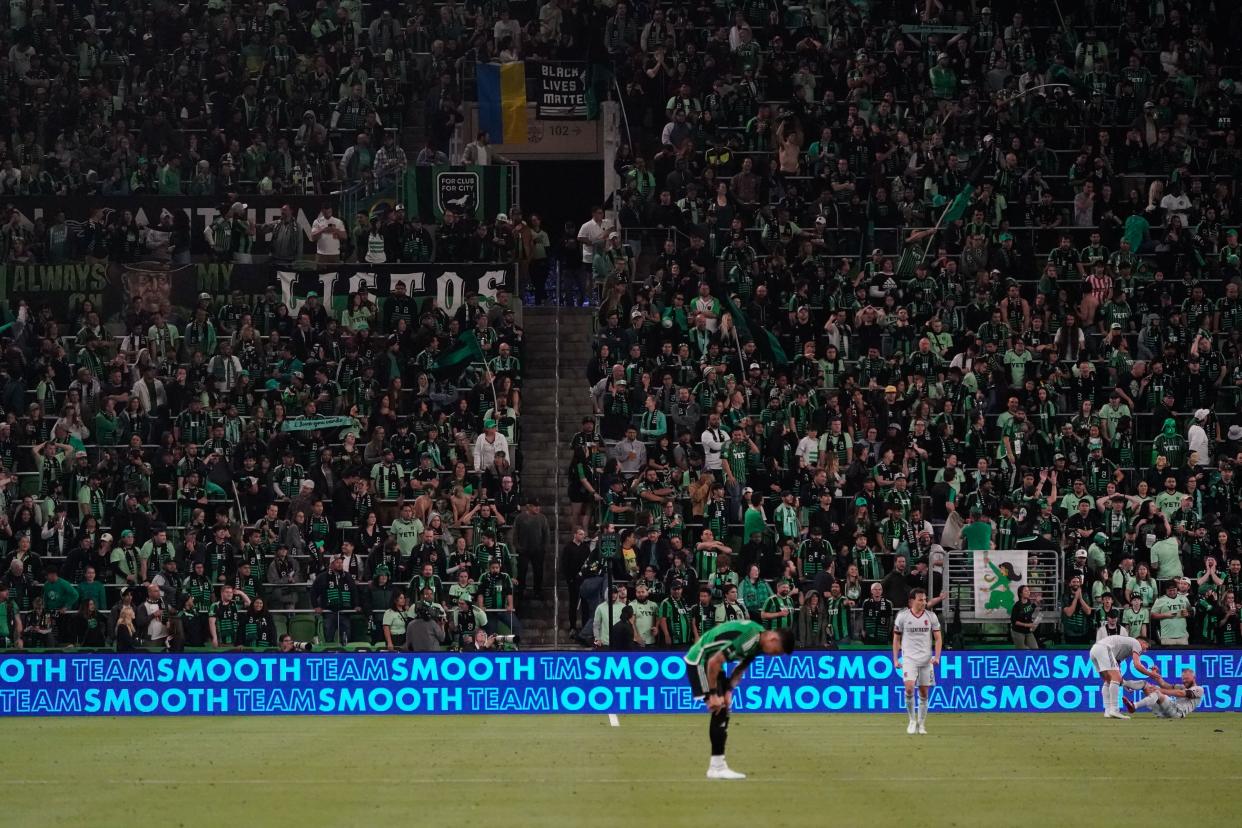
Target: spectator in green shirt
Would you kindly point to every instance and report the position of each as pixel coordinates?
(646, 613)
(1166, 556)
(91, 588)
(778, 610)
(977, 533)
(1076, 614)
(106, 423)
(1170, 612)
(1135, 617)
(754, 521)
(60, 598)
(170, 176)
(754, 592)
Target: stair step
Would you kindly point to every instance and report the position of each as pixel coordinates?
(558, 342)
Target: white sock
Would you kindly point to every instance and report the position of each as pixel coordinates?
(718, 762)
(1134, 684)
(1114, 690)
(1147, 701)
(923, 702)
(911, 711)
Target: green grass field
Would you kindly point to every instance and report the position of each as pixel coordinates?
(502, 771)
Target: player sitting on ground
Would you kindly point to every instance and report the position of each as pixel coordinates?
(1166, 700)
(736, 641)
(1107, 655)
(916, 652)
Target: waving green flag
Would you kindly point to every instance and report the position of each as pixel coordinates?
(454, 361)
(765, 341)
(960, 204)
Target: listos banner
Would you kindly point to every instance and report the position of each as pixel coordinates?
(114, 289)
(998, 681)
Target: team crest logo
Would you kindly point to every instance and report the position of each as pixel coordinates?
(457, 191)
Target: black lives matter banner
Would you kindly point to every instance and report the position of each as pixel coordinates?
(562, 92)
(114, 289)
(147, 210)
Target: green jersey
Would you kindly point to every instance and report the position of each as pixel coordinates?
(776, 603)
(737, 640)
(8, 621)
(705, 559)
(735, 454)
(226, 616)
(838, 615)
(677, 618)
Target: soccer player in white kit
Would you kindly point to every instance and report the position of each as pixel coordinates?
(1107, 655)
(916, 652)
(1166, 700)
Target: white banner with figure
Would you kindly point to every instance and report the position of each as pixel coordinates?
(999, 574)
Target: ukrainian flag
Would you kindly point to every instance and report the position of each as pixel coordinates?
(502, 101)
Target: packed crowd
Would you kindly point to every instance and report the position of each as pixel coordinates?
(199, 99)
(200, 483)
(889, 281)
(885, 287)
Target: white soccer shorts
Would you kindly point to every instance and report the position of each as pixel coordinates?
(1103, 658)
(1166, 709)
(921, 674)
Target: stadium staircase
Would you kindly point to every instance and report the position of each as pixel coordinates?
(557, 342)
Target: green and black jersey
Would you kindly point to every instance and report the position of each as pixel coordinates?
(676, 617)
(738, 640)
(877, 620)
(258, 631)
(200, 588)
(495, 589)
(704, 617)
(838, 615)
(777, 603)
(226, 616)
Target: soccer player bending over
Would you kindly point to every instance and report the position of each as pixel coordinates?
(1167, 701)
(1107, 654)
(916, 652)
(732, 641)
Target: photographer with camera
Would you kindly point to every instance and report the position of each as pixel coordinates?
(288, 645)
(425, 632)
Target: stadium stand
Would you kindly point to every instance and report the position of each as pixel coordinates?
(880, 287)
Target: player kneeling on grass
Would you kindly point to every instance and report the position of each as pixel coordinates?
(1167, 701)
(916, 652)
(732, 641)
(1107, 654)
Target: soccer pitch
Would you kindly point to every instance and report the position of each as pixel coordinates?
(580, 770)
